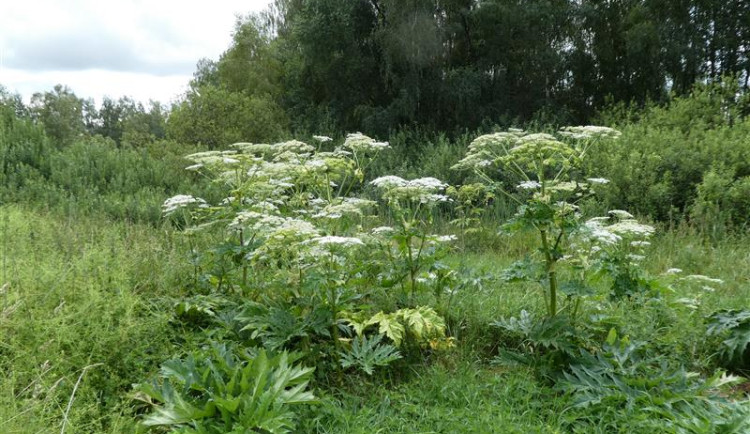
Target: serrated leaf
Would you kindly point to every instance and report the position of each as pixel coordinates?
(366, 354)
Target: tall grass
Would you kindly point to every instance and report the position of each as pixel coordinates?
(79, 295)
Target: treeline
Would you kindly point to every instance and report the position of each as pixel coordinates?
(377, 65)
(62, 153)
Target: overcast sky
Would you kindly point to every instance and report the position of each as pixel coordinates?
(146, 49)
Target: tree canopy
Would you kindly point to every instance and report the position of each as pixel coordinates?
(376, 65)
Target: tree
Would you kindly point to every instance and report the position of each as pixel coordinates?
(216, 117)
(61, 113)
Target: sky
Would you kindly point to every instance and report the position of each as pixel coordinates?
(144, 49)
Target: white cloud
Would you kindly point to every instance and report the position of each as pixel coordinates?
(143, 49)
(97, 83)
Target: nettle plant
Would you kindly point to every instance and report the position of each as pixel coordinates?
(547, 186)
(303, 262)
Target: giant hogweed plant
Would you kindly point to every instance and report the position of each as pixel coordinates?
(410, 247)
(547, 191)
(227, 390)
(625, 379)
(299, 238)
(278, 196)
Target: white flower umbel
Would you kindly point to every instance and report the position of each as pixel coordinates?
(322, 139)
(269, 226)
(180, 201)
(427, 184)
(388, 181)
(597, 232)
(350, 206)
(620, 214)
(529, 185)
(485, 150)
(361, 143)
(537, 137)
(209, 156)
(442, 238)
(382, 230)
(422, 190)
(565, 186)
(598, 180)
(631, 228)
(589, 132)
(338, 241)
(293, 146)
(702, 278)
(316, 164)
(254, 148)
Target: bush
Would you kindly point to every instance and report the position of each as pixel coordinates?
(661, 160)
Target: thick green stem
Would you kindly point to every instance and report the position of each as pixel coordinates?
(335, 314)
(551, 274)
(410, 265)
(244, 264)
(332, 296)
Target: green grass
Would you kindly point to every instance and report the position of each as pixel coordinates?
(89, 299)
(80, 296)
(456, 396)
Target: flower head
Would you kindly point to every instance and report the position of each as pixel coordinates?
(180, 201)
(631, 228)
(598, 180)
(528, 185)
(361, 143)
(423, 190)
(338, 241)
(589, 132)
(389, 181)
(322, 139)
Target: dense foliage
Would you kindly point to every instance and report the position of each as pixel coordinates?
(377, 65)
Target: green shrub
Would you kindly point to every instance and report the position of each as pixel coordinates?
(661, 159)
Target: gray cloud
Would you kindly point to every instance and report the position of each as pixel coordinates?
(89, 50)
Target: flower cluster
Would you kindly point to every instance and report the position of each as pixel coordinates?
(361, 143)
(529, 185)
(589, 132)
(331, 240)
(348, 206)
(607, 232)
(485, 150)
(421, 190)
(211, 158)
(294, 147)
(181, 201)
(323, 139)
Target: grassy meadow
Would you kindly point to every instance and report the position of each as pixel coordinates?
(90, 299)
